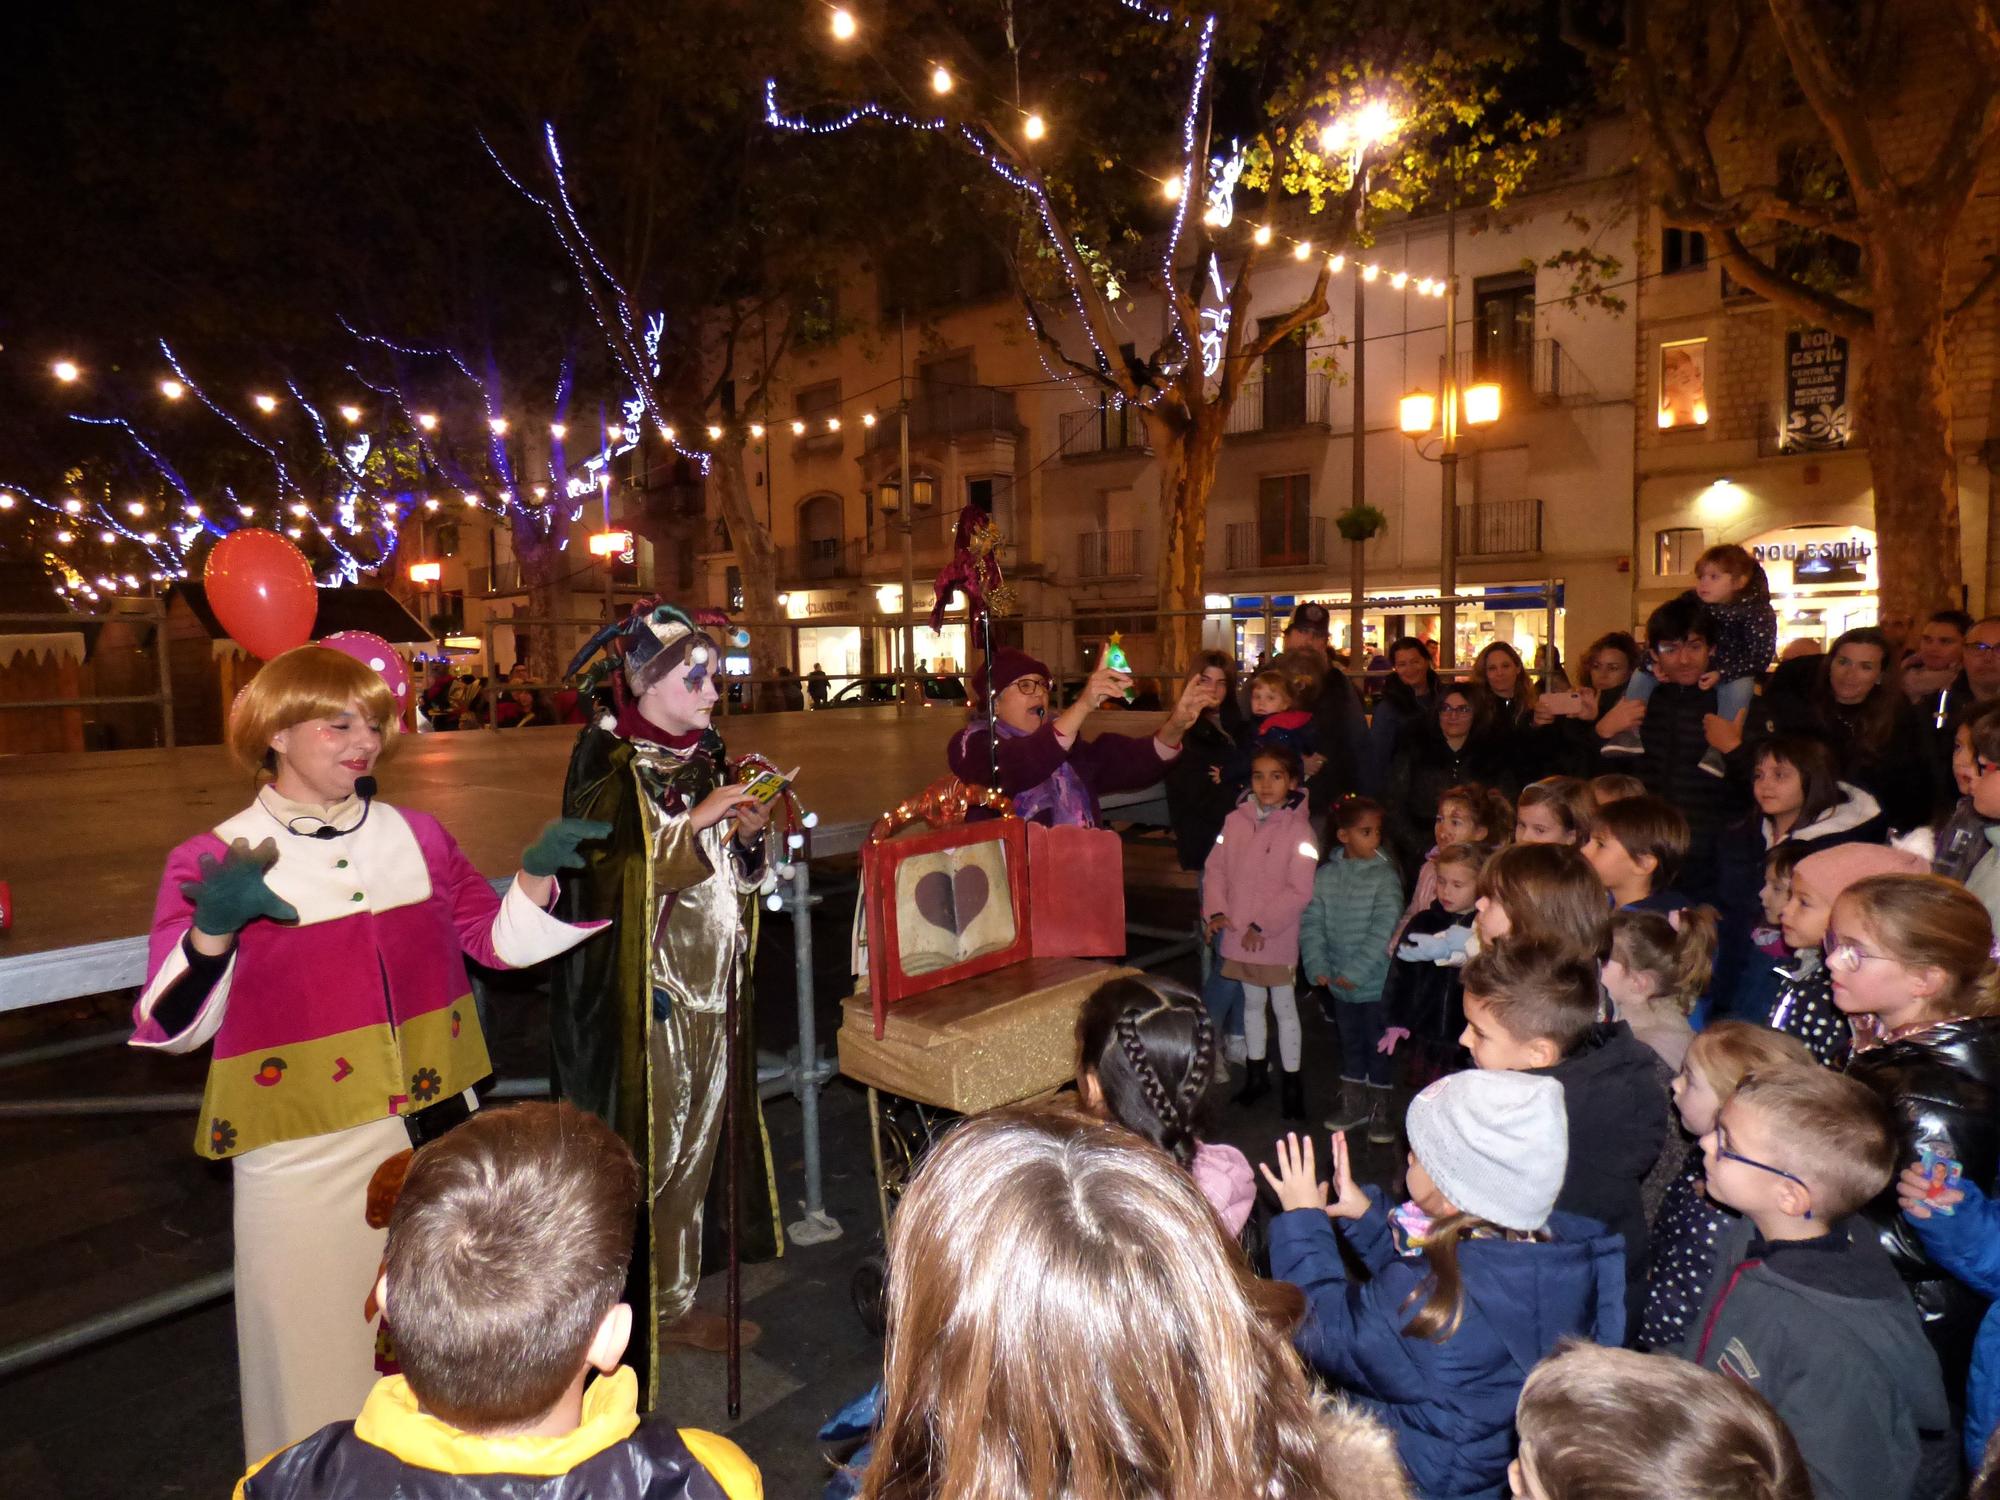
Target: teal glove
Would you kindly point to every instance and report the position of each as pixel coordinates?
(556, 848)
(231, 893)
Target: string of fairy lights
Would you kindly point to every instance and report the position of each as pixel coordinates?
(360, 523)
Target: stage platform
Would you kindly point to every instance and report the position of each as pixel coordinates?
(83, 836)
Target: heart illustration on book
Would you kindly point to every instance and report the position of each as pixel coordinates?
(952, 901)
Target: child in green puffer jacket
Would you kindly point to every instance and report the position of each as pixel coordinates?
(1344, 942)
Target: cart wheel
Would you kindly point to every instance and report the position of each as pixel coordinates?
(867, 1287)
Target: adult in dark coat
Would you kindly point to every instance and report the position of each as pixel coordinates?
(1407, 700)
(1677, 727)
(1340, 724)
(1568, 745)
(1850, 699)
(1457, 745)
(1197, 803)
(1046, 765)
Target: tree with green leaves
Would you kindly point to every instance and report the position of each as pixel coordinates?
(1833, 153)
(1073, 117)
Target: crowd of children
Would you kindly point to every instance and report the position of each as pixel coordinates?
(1695, 1075)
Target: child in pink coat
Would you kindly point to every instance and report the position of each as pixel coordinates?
(1258, 881)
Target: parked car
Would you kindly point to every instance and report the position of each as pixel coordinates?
(878, 692)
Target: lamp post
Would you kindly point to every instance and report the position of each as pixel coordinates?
(1462, 406)
(1358, 132)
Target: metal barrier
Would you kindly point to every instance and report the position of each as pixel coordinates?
(163, 699)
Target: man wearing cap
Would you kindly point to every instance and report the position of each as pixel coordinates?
(638, 1031)
(1054, 775)
(1340, 726)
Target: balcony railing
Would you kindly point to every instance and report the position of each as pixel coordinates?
(1249, 544)
(1499, 528)
(821, 560)
(1107, 554)
(1101, 429)
(1286, 406)
(954, 412)
(1559, 379)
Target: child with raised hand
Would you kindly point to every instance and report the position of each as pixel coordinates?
(1731, 583)
(1256, 884)
(1531, 1007)
(1439, 1343)
(1066, 1318)
(1543, 893)
(1680, 1254)
(1657, 969)
(1356, 899)
(1911, 960)
(1608, 1424)
(1636, 846)
(1146, 1059)
(1804, 1006)
(1554, 810)
(1803, 1305)
(508, 1250)
(1420, 998)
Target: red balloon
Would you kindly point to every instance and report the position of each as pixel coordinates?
(261, 589)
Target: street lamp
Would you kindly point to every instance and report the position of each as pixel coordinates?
(1470, 406)
(1355, 134)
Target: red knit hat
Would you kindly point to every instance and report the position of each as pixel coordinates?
(1832, 871)
(1007, 664)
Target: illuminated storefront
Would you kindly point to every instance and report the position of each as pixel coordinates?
(1822, 579)
(1524, 615)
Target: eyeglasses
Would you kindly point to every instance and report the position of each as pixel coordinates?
(1763, 1166)
(1983, 648)
(1033, 687)
(1454, 708)
(1844, 956)
(1675, 648)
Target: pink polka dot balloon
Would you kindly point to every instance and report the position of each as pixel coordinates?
(371, 650)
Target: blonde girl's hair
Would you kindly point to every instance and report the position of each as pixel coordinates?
(1568, 797)
(1678, 951)
(1724, 1053)
(1929, 922)
(1613, 1424)
(1467, 856)
(307, 682)
(1068, 1318)
(1551, 896)
(1489, 807)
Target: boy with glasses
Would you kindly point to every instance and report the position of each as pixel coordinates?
(1807, 1313)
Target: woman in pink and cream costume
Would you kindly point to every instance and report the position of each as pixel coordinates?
(317, 940)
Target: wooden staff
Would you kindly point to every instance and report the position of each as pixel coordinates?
(732, 1198)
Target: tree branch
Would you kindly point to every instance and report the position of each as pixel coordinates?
(1836, 313)
(1988, 279)
(1827, 89)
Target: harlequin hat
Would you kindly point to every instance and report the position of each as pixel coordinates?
(649, 643)
(1007, 664)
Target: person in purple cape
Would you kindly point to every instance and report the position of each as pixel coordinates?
(1052, 772)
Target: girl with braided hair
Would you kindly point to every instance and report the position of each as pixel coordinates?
(1147, 1060)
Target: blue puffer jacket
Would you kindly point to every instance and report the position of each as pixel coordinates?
(1450, 1404)
(1966, 1242)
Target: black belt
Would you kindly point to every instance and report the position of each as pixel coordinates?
(427, 1124)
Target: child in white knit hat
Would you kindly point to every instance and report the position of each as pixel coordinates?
(1439, 1345)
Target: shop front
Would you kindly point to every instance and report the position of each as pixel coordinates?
(1526, 615)
(1822, 580)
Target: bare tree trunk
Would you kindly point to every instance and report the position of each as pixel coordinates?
(1906, 420)
(757, 562)
(1188, 455)
(541, 565)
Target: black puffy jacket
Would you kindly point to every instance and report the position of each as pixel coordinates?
(1675, 737)
(1427, 767)
(1944, 1085)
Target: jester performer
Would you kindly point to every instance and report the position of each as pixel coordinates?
(639, 1027)
(315, 941)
